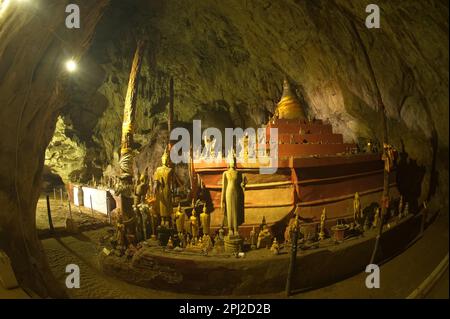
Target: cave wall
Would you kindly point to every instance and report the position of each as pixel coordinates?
(34, 44)
(228, 59)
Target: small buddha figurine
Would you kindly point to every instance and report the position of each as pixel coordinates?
(245, 147)
(182, 242)
(275, 249)
(188, 241)
(205, 220)
(406, 209)
(264, 238)
(170, 243)
(194, 225)
(356, 208)
(376, 217)
(253, 238)
(388, 157)
(179, 220)
(322, 225)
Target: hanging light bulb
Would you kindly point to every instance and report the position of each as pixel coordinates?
(3, 5)
(71, 65)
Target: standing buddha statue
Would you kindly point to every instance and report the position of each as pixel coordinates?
(205, 220)
(233, 187)
(194, 225)
(179, 220)
(356, 209)
(163, 184)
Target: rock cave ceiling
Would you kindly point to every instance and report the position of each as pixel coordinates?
(228, 59)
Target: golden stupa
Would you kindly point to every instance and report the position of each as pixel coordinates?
(289, 107)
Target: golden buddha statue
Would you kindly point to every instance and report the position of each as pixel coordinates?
(179, 220)
(170, 243)
(264, 238)
(289, 107)
(163, 183)
(275, 249)
(194, 225)
(322, 224)
(205, 220)
(376, 217)
(141, 189)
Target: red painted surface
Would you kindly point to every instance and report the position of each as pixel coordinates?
(316, 170)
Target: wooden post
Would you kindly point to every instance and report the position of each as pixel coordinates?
(49, 213)
(54, 194)
(108, 211)
(293, 259)
(70, 209)
(61, 195)
(92, 209)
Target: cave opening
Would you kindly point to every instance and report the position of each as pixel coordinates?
(65, 91)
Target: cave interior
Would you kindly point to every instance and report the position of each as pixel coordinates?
(220, 62)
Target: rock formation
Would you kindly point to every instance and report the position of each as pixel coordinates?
(33, 89)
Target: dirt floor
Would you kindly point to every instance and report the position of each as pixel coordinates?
(84, 216)
(399, 277)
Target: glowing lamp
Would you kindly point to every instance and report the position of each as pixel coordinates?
(71, 65)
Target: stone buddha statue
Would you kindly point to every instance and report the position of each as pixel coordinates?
(289, 107)
(163, 184)
(141, 189)
(232, 201)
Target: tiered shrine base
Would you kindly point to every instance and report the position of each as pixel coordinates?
(260, 271)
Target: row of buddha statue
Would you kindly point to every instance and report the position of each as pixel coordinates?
(154, 217)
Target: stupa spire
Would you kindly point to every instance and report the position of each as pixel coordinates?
(289, 107)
